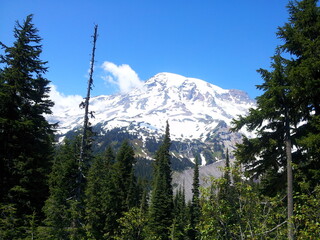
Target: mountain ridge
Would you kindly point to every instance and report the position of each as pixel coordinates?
(198, 113)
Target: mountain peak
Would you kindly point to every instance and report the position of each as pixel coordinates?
(195, 109)
(172, 80)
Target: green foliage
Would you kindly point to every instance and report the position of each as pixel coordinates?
(301, 36)
(195, 210)
(104, 200)
(132, 225)
(180, 221)
(60, 206)
(244, 214)
(9, 223)
(25, 135)
(125, 180)
(266, 152)
(291, 97)
(161, 205)
(307, 214)
(111, 190)
(102, 205)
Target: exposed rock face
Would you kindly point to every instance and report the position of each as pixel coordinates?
(199, 115)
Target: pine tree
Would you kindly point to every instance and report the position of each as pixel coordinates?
(179, 225)
(227, 170)
(161, 205)
(62, 183)
(101, 197)
(25, 135)
(301, 36)
(277, 107)
(289, 110)
(195, 203)
(226, 189)
(292, 89)
(301, 40)
(124, 178)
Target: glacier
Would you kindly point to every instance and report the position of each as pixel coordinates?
(197, 112)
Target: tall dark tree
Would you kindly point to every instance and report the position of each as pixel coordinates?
(227, 170)
(62, 182)
(161, 205)
(195, 209)
(291, 88)
(301, 36)
(273, 141)
(25, 135)
(180, 221)
(226, 190)
(302, 40)
(101, 197)
(125, 181)
(289, 110)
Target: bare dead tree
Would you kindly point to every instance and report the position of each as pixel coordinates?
(84, 141)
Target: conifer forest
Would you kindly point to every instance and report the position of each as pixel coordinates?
(51, 190)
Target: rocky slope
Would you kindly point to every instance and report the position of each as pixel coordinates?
(199, 115)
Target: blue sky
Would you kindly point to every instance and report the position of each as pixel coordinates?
(222, 42)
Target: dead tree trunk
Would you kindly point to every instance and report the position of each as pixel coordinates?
(84, 143)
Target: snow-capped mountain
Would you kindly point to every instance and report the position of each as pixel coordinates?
(199, 115)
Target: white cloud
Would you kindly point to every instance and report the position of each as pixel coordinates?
(63, 103)
(123, 76)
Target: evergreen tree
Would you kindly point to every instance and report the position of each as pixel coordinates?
(125, 181)
(25, 135)
(226, 174)
(180, 221)
(62, 182)
(195, 203)
(269, 143)
(101, 197)
(289, 110)
(302, 41)
(291, 94)
(226, 190)
(301, 36)
(161, 205)
(277, 107)
(144, 196)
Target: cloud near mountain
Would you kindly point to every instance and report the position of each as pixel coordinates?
(63, 102)
(121, 75)
(198, 112)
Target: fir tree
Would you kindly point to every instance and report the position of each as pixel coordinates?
(124, 178)
(288, 111)
(273, 143)
(179, 225)
(301, 36)
(161, 205)
(101, 197)
(25, 135)
(302, 41)
(62, 183)
(227, 169)
(195, 203)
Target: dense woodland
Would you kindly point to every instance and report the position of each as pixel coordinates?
(271, 191)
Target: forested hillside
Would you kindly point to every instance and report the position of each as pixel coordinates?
(68, 191)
